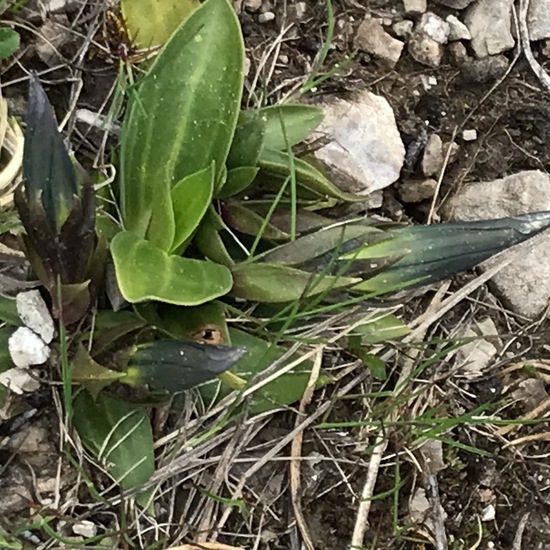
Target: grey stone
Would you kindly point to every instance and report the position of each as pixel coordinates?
(252, 5)
(372, 38)
(475, 356)
(433, 26)
(417, 191)
(486, 69)
(458, 55)
(425, 50)
(523, 286)
(365, 152)
(432, 160)
(455, 4)
(490, 24)
(538, 19)
(457, 29)
(403, 29)
(414, 7)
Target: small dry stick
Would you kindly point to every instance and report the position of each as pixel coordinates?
(296, 452)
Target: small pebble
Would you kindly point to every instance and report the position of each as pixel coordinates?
(403, 29)
(488, 513)
(266, 17)
(469, 135)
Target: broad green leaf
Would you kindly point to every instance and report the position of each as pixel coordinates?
(151, 22)
(177, 365)
(298, 121)
(248, 139)
(119, 434)
(272, 283)
(191, 198)
(238, 179)
(145, 272)
(9, 42)
(182, 115)
(278, 163)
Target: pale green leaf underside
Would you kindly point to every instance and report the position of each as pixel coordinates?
(145, 272)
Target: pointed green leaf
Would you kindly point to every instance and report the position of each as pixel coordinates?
(330, 243)
(176, 365)
(238, 179)
(298, 121)
(435, 252)
(119, 434)
(151, 22)
(246, 221)
(248, 139)
(112, 326)
(181, 117)
(278, 163)
(191, 198)
(272, 283)
(209, 241)
(145, 272)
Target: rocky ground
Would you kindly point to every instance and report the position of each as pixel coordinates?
(436, 110)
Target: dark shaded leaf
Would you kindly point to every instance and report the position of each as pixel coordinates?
(246, 221)
(238, 179)
(432, 253)
(49, 177)
(175, 365)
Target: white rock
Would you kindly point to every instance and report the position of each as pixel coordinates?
(432, 456)
(56, 6)
(33, 311)
(404, 28)
(266, 17)
(85, 528)
(252, 5)
(27, 348)
(474, 357)
(538, 19)
(419, 506)
(457, 29)
(433, 26)
(432, 160)
(425, 50)
(372, 38)
(19, 380)
(524, 285)
(455, 4)
(469, 135)
(414, 7)
(489, 513)
(490, 24)
(365, 152)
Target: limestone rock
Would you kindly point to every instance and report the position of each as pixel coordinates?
(365, 152)
(538, 19)
(425, 50)
(524, 286)
(414, 7)
(417, 191)
(490, 24)
(372, 38)
(432, 161)
(433, 26)
(457, 29)
(455, 4)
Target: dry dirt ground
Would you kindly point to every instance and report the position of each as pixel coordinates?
(238, 487)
